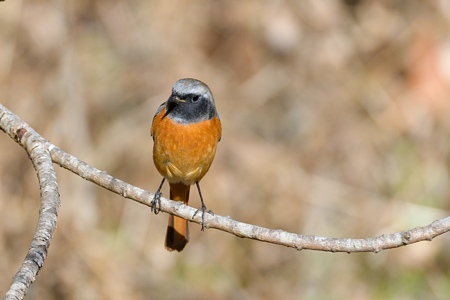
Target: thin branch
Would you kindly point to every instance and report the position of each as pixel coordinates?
(34, 144)
(280, 237)
(244, 230)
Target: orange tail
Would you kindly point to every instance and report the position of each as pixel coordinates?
(177, 235)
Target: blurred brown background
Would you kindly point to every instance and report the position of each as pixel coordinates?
(336, 122)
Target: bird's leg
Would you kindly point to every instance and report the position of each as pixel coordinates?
(203, 208)
(156, 202)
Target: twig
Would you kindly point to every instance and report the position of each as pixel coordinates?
(280, 237)
(244, 230)
(34, 144)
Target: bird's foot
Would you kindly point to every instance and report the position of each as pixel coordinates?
(203, 210)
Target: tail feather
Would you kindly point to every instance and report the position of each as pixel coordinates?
(177, 235)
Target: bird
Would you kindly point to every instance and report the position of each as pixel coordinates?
(185, 130)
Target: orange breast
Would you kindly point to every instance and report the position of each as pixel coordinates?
(184, 152)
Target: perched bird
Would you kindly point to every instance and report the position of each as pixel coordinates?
(185, 130)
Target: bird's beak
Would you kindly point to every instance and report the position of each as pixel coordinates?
(172, 102)
(177, 99)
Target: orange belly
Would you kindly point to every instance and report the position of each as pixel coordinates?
(184, 152)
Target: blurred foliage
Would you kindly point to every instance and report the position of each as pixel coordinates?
(336, 123)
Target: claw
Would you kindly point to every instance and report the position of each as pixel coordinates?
(156, 202)
(203, 209)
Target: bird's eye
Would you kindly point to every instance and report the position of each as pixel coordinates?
(195, 98)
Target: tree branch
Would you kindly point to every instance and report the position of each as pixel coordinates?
(34, 144)
(244, 230)
(30, 140)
